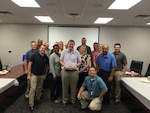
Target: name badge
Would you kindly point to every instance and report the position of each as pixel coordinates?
(91, 92)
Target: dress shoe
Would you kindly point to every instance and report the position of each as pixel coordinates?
(38, 102)
(31, 109)
(82, 109)
(73, 105)
(64, 105)
(117, 102)
(26, 99)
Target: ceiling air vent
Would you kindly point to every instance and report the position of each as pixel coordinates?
(142, 16)
(5, 13)
(77, 15)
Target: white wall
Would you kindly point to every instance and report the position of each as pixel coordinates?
(16, 38)
(135, 42)
(76, 33)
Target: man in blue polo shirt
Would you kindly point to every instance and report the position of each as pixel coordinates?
(92, 90)
(106, 63)
(39, 64)
(26, 62)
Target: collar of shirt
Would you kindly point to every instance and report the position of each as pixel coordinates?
(116, 53)
(105, 56)
(71, 51)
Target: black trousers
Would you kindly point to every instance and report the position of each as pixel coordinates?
(47, 81)
(105, 75)
(56, 88)
(81, 79)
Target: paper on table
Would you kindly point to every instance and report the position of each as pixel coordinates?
(145, 81)
(3, 72)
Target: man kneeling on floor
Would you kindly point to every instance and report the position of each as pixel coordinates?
(92, 91)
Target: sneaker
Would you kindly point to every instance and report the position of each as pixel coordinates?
(117, 102)
(57, 101)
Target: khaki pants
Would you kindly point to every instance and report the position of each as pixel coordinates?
(28, 89)
(94, 104)
(69, 79)
(116, 86)
(36, 86)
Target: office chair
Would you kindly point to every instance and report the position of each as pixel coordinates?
(1, 66)
(136, 66)
(148, 71)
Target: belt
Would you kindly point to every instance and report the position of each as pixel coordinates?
(70, 70)
(104, 71)
(116, 69)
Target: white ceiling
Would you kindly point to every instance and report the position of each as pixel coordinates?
(88, 10)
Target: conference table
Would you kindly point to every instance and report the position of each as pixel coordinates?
(8, 81)
(138, 87)
(15, 72)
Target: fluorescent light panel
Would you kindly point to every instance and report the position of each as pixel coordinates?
(102, 20)
(44, 19)
(26, 3)
(123, 4)
(148, 23)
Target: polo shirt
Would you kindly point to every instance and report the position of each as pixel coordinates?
(39, 63)
(121, 60)
(70, 58)
(29, 54)
(96, 86)
(106, 62)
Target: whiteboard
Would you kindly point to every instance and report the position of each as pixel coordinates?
(64, 34)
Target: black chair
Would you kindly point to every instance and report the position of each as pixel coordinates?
(1, 66)
(136, 66)
(148, 71)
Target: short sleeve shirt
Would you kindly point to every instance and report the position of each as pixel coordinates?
(107, 62)
(96, 86)
(70, 58)
(121, 60)
(39, 63)
(29, 54)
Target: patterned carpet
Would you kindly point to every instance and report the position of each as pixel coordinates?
(17, 104)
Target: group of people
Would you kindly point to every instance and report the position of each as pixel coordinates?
(81, 73)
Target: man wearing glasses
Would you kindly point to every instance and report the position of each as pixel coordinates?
(95, 90)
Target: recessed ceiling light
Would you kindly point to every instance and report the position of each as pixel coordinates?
(102, 20)
(148, 23)
(44, 19)
(26, 3)
(123, 4)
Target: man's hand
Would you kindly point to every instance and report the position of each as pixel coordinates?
(29, 77)
(44, 77)
(110, 79)
(26, 72)
(74, 67)
(79, 96)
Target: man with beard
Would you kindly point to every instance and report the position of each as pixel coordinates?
(38, 65)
